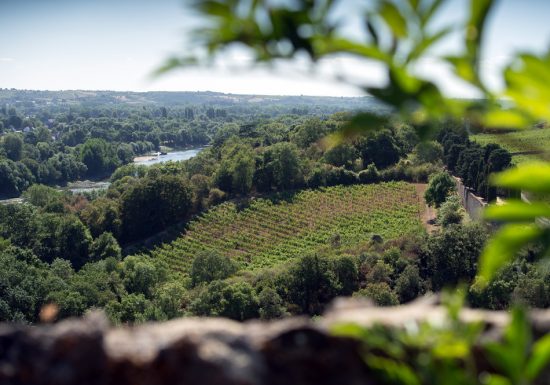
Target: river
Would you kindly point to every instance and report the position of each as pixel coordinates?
(173, 156)
(81, 186)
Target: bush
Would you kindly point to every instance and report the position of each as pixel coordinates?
(450, 212)
(380, 293)
(440, 187)
(369, 175)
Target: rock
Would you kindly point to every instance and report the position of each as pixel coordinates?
(212, 350)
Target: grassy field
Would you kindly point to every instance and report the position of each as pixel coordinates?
(532, 140)
(267, 233)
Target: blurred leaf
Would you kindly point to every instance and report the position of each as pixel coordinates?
(540, 358)
(463, 68)
(495, 379)
(533, 177)
(329, 46)
(394, 372)
(173, 63)
(427, 42)
(394, 19)
(510, 355)
(505, 119)
(348, 330)
(429, 10)
(528, 84)
(479, 10)
(517, 211)
(504, 246)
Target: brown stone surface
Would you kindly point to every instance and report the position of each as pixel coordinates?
(211, 351)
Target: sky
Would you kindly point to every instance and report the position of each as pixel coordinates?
(117, 44)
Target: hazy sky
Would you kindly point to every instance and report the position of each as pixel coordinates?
(116, 44)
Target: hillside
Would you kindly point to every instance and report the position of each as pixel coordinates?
(526, 145)
(270, 232)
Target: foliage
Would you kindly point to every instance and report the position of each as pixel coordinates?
(451, 211)
(209, 266)
(440, 187)
(452, 352)
(451, 256)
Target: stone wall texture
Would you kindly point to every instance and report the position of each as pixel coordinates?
(471, 202)
(212, 351)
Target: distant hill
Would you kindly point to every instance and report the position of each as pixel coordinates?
(29, 100)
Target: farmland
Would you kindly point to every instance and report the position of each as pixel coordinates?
(269, 232)
(524, 145)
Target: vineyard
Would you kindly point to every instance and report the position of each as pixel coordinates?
(270, 232)
(526, 145)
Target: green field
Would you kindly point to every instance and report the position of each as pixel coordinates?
(267, 233)
(532, 140)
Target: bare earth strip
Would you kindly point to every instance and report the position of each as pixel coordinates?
(430, 213)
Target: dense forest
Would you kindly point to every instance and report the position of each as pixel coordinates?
(105, 248)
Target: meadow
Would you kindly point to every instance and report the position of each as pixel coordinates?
(268, 232)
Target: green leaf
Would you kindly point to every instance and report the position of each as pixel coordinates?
(534, 177)
(429, 10)
(394, 19)
(326, 46)
(517, 211)
(504, 246)
(479, 10)
(540, 358)
(528, 85)
(427, 42)
(463, 68)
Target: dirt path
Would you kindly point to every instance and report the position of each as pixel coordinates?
(429, 214)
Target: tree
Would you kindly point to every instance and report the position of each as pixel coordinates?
(309, 132)
(132, 308)
(15, 178)
(102, 215)
(380, 293)
(451, 257)
(408, 285)
(43, 196)
(72, 241)
(105, 246)
(171, 298)
(243, 171)
(210, 266)
(223, 299)
(428, 152)
(152, 204)
(98, 156)
(271, 304)
(439, 188)
(141, 275)
(311, 283)
(379, 148)
(286, 166)
(13, 145)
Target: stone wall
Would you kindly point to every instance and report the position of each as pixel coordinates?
(212, 351)
(471, 203)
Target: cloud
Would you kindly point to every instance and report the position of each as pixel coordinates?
(6, 59)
